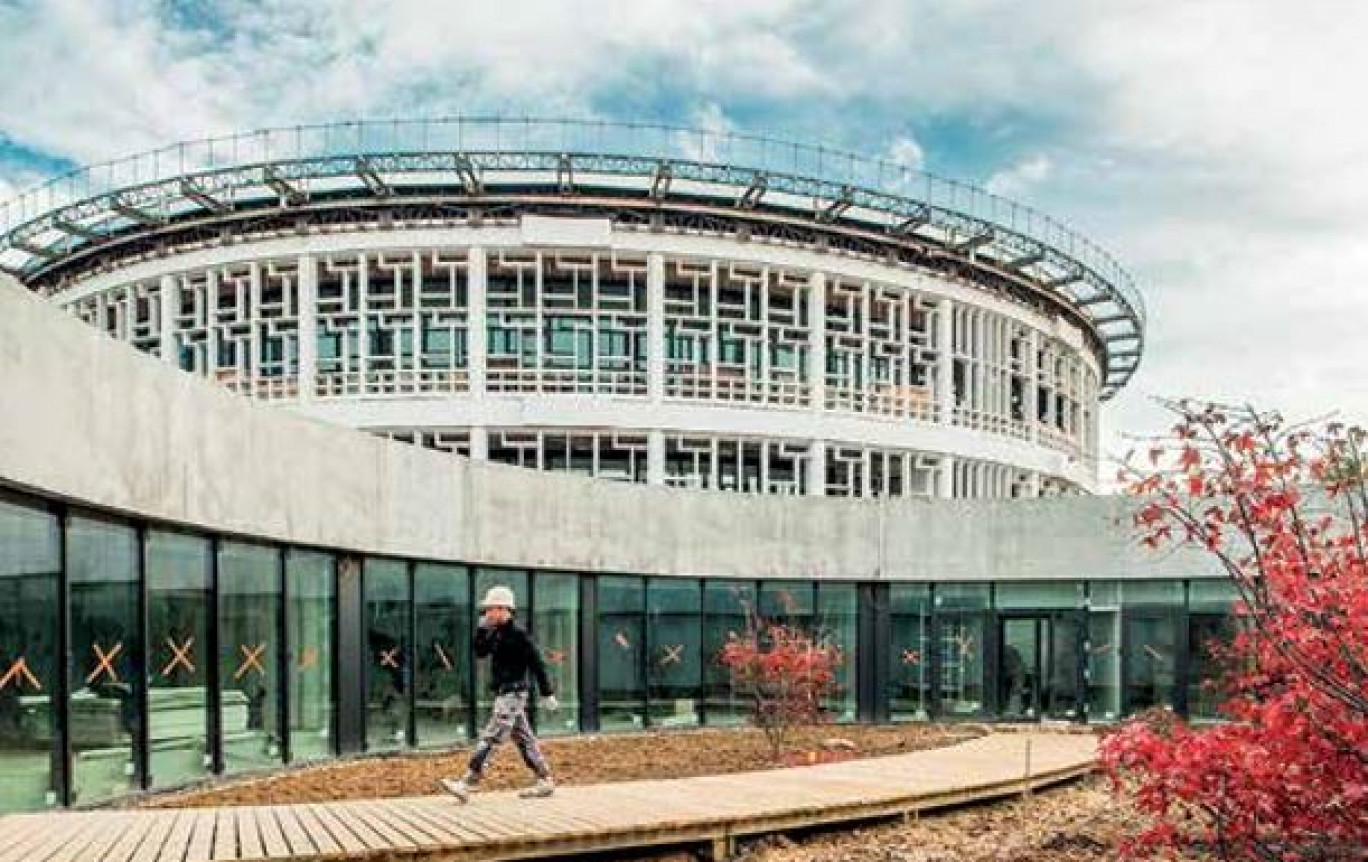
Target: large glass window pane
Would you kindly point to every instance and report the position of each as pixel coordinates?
(484, 580)
(837, 606)
(555, 626)
(674, 608)
(909, 678)
(1033, 596)
(962, 610)
(1211, 625)
(106, 669)
(727, 608)
(1104, 652)
(29, 558)
(311, 620)
(178, 567)
(442, 606)
(386, 592)
(1149, 659)
(788, 602)
(621, 649)
(249, 655)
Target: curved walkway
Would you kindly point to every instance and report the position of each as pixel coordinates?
(712, 811)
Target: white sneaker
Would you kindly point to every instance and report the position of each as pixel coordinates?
(544, 787)
(458, 788)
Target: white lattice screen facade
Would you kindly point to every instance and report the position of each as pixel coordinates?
(692, 371)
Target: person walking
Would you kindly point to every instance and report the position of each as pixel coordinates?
(513, 656)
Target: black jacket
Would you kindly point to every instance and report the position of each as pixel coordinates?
(514, 655)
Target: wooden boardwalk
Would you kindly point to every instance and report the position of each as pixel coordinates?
(710, 811)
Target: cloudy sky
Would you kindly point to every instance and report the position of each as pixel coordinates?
(1218, 147)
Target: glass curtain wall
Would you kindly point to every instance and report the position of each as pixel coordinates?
(1152, 625)
(909, 670)
(30, 556)
(387, 615)
(962, 612)
(311, 619)
(178, 611)
(622, 652)
(249, 612)
(555, 627)
(837, 618)
(1210, 624)
(674, 632)
(106, 667)
(728, 608)
(441, 596)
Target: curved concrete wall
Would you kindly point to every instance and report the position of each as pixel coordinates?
(88, 419)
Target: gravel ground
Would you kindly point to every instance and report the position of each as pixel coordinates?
(1077, 822)
(575, 760)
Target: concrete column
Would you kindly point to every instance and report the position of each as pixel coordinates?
(254, 332)
(945, 478)
(1030, 401)
(655, 457)
(1033, 484)
(479, 443)
(477, 329)
(816, 484)
(817, 358)
(167, 299)
(655, 335)
(945, 392)
(308, 327)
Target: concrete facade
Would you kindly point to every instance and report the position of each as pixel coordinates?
(90, 420)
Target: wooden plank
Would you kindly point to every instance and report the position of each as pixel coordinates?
(20, 827)
(64, 845)
(443, 817)
(346, 815)
(49, 841)
(394, 839)
(140, 826)
(448, 834)
(201, 845)
(149, 849)
(225, 835)
(295, 835)
(318, 833)
(248, 835)
(177, 840)
(350, 843)
(272, 839)
(420, 832)
(111, 835)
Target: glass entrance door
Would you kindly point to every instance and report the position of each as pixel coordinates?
(1039, 671)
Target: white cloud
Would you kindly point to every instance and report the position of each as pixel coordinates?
(1018, 180)
(1217, 146)
(907, 153)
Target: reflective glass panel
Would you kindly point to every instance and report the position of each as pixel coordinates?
(441, 597)
(621, 649)
(178, 602)
(386, 614)
(727, 607)
(555, 627)
(249, 655)
(674, 630)
(102, 563)
(29, 558)
(311, 617)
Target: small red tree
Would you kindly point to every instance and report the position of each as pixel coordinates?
(784, 673)
(1285, 512)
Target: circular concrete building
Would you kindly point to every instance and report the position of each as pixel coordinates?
(638, 303)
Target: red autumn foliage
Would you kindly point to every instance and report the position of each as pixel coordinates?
(784, 673)
(1285, 512)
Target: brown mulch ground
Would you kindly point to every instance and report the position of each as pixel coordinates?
(575, 760)
(1078, 822)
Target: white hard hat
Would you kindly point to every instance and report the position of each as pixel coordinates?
(498, 597)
